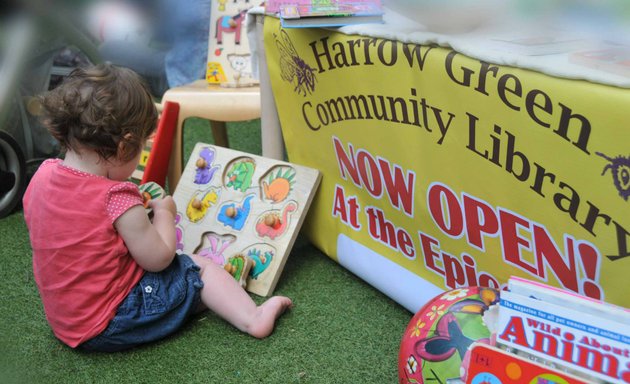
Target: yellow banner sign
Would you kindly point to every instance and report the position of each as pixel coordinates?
(441, 171)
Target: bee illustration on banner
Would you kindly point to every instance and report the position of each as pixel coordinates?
(620, 169)
(292, 67)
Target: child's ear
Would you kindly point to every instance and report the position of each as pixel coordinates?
(123, 145)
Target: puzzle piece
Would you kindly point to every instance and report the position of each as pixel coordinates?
(200, 202)
(205, 171)
(150, 191)
(239, 266)
(234, 215)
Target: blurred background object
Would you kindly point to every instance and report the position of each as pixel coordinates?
(39, 45)
(42, 41)
(603, 20)
(165, 41)
(118, 21)
(450, 16)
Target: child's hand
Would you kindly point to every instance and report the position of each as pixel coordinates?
(167, 203)
(152, 243)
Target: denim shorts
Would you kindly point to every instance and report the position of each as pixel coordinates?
(155, 308)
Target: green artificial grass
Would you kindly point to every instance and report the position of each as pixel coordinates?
(341, 330)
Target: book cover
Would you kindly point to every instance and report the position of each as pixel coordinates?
(566, 298)
(329, 13)
(294, 11)
(565, 337)
(273, 6)
(492, 365)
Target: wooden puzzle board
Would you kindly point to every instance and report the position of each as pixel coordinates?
(233, 203)
(228, 46)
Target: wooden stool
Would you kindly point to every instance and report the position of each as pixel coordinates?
(211, 102)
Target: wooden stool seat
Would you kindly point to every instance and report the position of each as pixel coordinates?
(212, 102)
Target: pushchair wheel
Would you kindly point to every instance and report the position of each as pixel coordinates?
(12, 174)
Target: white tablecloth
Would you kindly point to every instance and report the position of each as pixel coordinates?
(480, 44)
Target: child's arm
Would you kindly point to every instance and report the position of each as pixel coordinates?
(152, 245)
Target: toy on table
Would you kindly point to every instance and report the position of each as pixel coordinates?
(243, 212)
(437, 338)
(229, 55)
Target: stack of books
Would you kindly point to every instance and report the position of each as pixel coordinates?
(563, 334)
(325, 13)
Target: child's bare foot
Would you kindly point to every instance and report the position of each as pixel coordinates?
(266, 316)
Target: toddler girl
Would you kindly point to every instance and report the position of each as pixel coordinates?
(108, 277)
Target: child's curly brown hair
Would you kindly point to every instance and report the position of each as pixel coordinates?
(103, 108)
